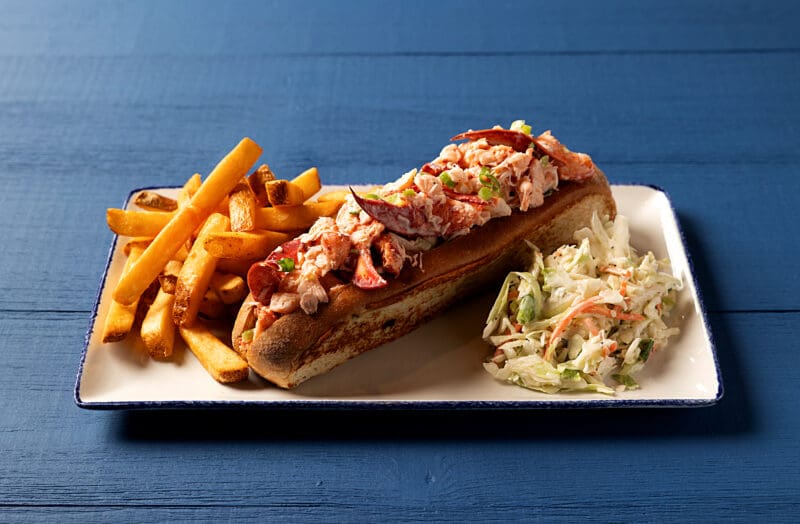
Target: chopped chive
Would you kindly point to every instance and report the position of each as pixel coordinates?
(485, 193)
(286, 264)
(445, 179)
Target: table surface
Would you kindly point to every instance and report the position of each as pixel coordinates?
(699, 98)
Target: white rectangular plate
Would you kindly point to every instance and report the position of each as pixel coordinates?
(437, 366)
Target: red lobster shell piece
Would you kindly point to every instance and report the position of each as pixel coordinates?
(571, 165)
(402, 219)
(264, 278)
(516, 140)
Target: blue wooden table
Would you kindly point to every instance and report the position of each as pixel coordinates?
(699, 98)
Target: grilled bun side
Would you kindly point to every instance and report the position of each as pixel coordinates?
(300, 346)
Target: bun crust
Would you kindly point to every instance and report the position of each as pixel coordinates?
(298, 346)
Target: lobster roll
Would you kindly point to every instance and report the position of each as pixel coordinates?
(396, 257)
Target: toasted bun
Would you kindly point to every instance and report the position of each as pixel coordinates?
(300, 346)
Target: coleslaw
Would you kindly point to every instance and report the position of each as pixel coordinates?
(585, 318)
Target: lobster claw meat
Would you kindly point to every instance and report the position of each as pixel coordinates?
(571, 165)
(366, 276)
(405, 220)
(516, 140)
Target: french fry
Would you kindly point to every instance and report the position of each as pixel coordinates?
(196, 274)
(188, 190)
(211, 306)
(168, 278)
(237, 267)
(143, 242)
(229, 287)
(284, 193)
(289, 218)
(119, 319)
(337, 195)
(153, 201)
(308, 181)
(244, 245)
(242, 208)
(158, 330)
(222, 362)
(140, 242)
(212, 192)
(258, 183)
(137, 223)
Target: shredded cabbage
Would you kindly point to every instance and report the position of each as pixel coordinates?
(585, 318)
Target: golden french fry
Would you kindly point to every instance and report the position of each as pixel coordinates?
(242, 208)
(188, 190)
(337, 195)
(258, 183)
(211, 306)
(222, 362)
(212, 192)
(153, 201)
(158, 330)
(289, 218)
(120, 317)
(143, 242)
(284, 193)
(229, 287)
(237, 267)
(308, 181)
(168, 278)
(244, 245)
(137, 223)
(140, 242)
(196, 274)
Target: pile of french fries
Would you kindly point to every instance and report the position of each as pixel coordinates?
(187, 258)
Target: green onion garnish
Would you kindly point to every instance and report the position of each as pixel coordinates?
(409, 193)
(485, 193)
(372, 196)
(520, 125)
(247, 335)
(445, 179)
(286, 264)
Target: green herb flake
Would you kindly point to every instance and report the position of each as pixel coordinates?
(286, 264)
(445, 179)
(485, 193)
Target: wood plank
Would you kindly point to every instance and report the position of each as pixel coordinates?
(356, 26)
(723, 126)
(736, 455)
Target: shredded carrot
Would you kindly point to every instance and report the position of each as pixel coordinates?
(623, 288)
(614, 270)
(576, 310)
(616, 313)
(591, 325)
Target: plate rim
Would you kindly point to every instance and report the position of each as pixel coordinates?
(397, 404)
